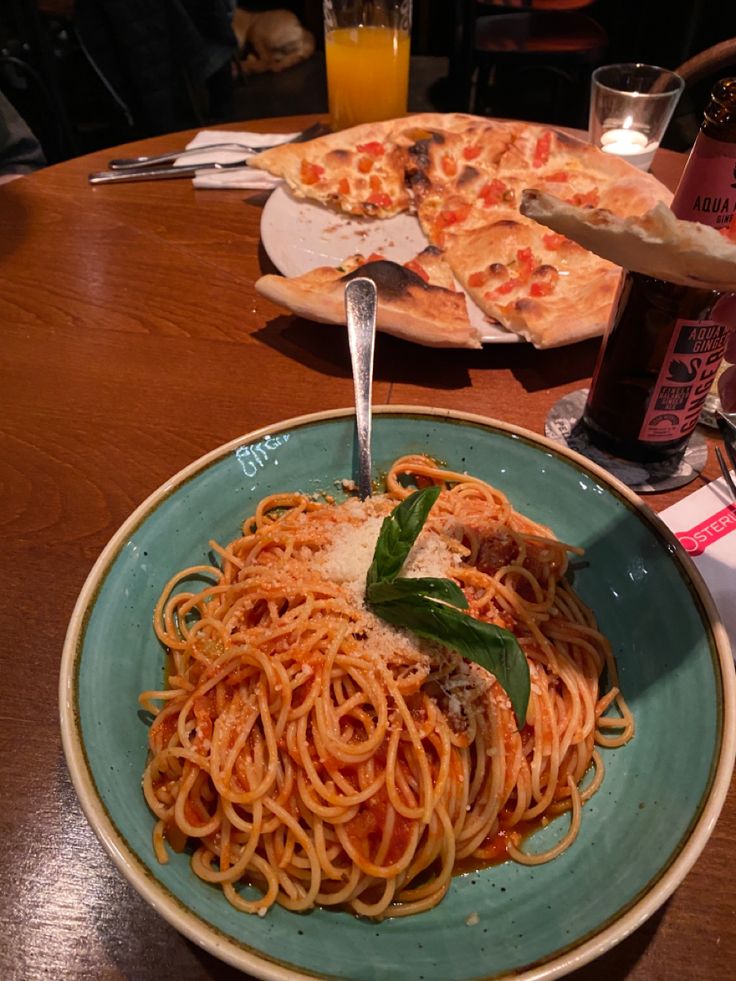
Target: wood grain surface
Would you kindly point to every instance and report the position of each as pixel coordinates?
(133, 342)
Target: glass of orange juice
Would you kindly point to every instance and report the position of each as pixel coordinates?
(367, 55)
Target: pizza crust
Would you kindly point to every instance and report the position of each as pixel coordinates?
(656, 243)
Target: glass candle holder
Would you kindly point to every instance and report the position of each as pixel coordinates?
(630, 108)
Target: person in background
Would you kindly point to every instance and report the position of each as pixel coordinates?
(20, 151)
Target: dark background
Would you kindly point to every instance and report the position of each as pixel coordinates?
(84, 74)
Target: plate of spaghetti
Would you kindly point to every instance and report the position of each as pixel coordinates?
(438, 732)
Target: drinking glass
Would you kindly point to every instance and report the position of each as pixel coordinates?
(630, 107)
(367, 54)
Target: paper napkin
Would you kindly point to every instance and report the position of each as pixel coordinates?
(705, 524)
(245, 178)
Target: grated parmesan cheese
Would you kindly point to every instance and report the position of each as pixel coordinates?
(347, 558)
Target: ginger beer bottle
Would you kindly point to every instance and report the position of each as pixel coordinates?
(707, 190)
(666, 341)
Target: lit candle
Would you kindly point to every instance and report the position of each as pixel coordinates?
(623, 137)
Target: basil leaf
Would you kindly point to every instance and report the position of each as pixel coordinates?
(494, 648)
(444, 590)
(398, 533)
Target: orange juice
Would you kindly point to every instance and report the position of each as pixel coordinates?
(367, 74)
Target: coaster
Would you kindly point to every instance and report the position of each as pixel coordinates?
(563, 426)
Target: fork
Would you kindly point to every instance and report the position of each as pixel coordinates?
(130, 163)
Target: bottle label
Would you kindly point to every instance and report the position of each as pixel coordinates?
(707, 191)
(689, 367)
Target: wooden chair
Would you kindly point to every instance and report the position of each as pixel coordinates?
(717, 60)
(539, 49)
(700, 73)
(538, 4)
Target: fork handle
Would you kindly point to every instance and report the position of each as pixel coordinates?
(126, 163)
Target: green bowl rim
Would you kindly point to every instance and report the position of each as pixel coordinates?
(261, 965)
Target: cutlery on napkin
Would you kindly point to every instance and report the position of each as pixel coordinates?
(222, 166)
(245, 178)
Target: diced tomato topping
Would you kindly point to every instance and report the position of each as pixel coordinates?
(375, 257)
(545, 279)
(525, 260)
(310, 172)
(504, 288)
(729, 232)
(471, 152)
(587, 200)
(451, 216)
(477, 279)
(417, 268)
(553, 241)
(344, 186)
(449, 165)
(380, 200)
(541, 150)
(559, 177)
(375, 183)
(365, 164)
(493, 192)
(373, 149)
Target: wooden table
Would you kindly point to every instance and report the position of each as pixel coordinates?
(133, 342)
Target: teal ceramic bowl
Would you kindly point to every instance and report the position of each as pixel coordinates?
(640, 833)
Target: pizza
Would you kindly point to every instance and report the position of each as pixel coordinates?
(464, 177)
(416, 301)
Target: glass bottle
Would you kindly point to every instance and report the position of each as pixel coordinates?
(655, 369)
(665, 341)
(707, 190)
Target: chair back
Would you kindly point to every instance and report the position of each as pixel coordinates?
(716, 60)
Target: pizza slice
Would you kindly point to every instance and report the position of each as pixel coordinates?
(453, 178)
(359, 171)
(416, 301)
(542, 286)
(366, 170)
(578, 173)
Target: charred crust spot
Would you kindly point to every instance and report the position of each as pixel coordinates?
(505, 223)
(392, 280)
(544, 269)
(417, 181)
(468, 175)
(338, 156)
(496, 267)
(419, 152)
(432, 250)
(524, 304)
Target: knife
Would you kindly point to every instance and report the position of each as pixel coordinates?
(161, 173)
(128, 163)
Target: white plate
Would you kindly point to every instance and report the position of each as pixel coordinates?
(301, 235)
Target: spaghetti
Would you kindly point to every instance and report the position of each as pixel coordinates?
(313, 755)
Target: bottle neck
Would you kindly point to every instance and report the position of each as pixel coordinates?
(719, 122)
